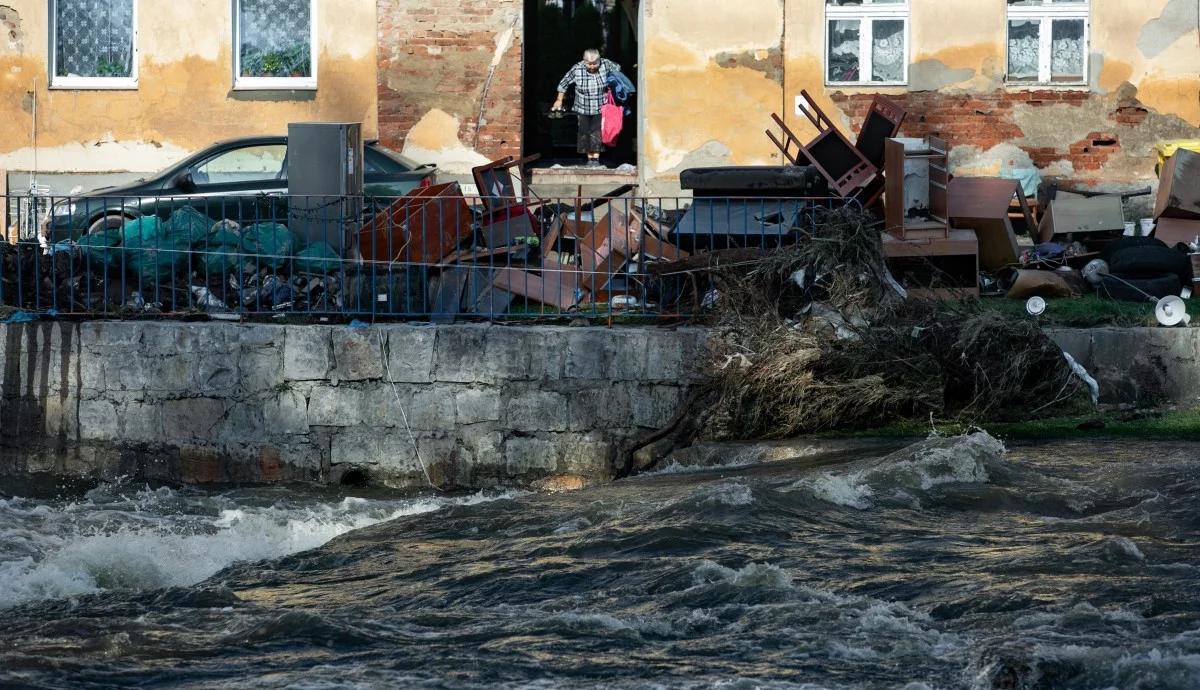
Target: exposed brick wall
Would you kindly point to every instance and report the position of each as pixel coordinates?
(985, 120)
(438, 54)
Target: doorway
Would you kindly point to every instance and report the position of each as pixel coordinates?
(556, 34)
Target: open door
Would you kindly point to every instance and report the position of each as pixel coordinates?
(556, 34)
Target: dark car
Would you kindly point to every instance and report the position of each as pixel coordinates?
(241, 179)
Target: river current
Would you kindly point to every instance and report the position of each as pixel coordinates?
(952, 563)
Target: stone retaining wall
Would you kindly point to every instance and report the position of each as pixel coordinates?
(480, 405)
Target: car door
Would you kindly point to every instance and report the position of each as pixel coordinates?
(242, 183)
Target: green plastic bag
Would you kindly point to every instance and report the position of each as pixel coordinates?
(156, 250)
(268, 245)
(319, 257)
(102, 249)
(220, 252)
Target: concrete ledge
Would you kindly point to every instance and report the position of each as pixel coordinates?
(1139, 366)
(469, 405)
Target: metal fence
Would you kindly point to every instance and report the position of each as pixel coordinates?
(427, 255)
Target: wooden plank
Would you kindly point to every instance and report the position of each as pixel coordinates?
(997, 241)
(446, 295)
(554, 287)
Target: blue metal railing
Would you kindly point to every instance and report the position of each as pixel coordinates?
(427, 255)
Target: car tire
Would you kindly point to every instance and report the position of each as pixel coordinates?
(1123, 243)
(1149, 261)
(108, 222)
(1127, 289)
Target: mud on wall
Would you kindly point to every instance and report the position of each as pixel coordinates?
(714, 73)
(184, 99)
(450, 80)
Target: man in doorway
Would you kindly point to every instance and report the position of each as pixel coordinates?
(590, 78)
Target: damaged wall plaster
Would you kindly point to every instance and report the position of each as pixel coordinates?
(1178, 19)
(14, 36)
(458, 69)
(184, 99)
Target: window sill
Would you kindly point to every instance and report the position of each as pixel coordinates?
(86, 84)
(864, 85)
(1040, 86)
(275, 85)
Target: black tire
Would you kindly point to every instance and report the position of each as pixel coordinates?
(108, 222)
(1127, 289)
(1123, 243)
(1150, 261)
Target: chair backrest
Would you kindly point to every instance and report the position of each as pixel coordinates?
(497, 182)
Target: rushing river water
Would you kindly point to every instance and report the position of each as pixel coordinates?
(950, 564)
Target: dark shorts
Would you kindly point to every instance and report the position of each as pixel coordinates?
(589, 140)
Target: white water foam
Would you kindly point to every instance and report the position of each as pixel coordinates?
(915, 469)
(48, 553)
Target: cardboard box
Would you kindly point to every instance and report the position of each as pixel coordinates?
(1176, 230)
(1179, 187)
(1082, 216)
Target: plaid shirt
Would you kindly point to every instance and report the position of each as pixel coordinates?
(589, 86)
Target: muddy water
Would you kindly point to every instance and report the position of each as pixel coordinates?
(949, 564)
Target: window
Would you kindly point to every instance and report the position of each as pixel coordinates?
(866, 41)
(1048, 42)
(247, 164)
(275, 44)
(93, 44)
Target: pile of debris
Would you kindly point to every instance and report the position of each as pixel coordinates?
(818, 336)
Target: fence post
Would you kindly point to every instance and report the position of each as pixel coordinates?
(9, 226)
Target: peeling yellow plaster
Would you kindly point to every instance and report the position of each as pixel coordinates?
(435, 139)
(184, 99)
(1173, 96)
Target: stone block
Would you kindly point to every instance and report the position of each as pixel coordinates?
(487, 447)
(380, 407)
(586, 354)
(358, 354)
(521, 353)
(217, 374)
(335, 406)
(285, 414)
(475, 405)
(259, 371)
(97, 421)
(1076, 342)
(459, 355)
(536, 410)
(664, 356)
(589, 455)
(655, 405)
(307, 353)
(600, 407)
(626, 350)
(432, 409)
(141, 422)
(410, 353)
(524, 455)
(392, 452)
(192, 418)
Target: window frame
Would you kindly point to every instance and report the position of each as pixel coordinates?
(867, 14)
(129, 83)
(241, 83)
(1046, 15)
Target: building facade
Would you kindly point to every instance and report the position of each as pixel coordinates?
(121, 86)
(1080, 89)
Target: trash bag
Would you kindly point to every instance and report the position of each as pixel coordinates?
(155, 250)
(318, 257)
(102, 249)
(190, 224)
(270, 245)
(220, 252)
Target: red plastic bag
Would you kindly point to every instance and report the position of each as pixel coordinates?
(611, 120)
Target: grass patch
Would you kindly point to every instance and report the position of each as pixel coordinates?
(1089, 311)
(1179, 425)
